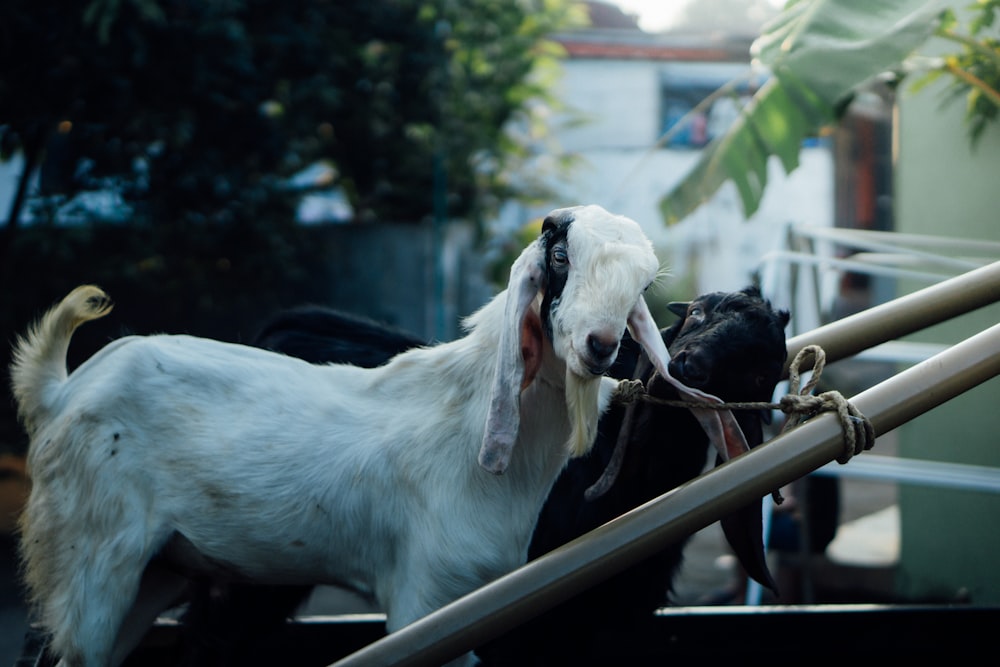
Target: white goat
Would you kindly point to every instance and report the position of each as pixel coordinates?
(163, 455)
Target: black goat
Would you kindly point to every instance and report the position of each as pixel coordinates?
(728, 344)
(731, 345)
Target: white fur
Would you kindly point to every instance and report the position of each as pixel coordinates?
(286, 472)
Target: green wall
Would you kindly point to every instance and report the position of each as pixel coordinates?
(950, 539)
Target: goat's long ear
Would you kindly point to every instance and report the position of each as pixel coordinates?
(744, 528)
(720, 425)
(519, 355)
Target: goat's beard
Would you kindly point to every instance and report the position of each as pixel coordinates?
(582, 402)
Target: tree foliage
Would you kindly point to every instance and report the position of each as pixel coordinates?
(974, 70)
(201, 108)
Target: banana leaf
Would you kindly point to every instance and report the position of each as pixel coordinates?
(819, 53)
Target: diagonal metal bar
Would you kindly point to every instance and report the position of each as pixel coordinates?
(541, 584)
(904, 315)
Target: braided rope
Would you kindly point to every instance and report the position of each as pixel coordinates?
(798, 404)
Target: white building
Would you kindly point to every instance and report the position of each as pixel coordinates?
(630, 87)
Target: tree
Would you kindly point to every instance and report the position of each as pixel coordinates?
(192, 115)
(820, 52)
(201, 108)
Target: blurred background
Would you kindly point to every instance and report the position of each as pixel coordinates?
(209, 162)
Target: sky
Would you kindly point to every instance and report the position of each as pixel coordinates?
(654, 15)
(658, 15)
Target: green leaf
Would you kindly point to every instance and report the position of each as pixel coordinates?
(836, 45)
(820, 52)
(775, 122)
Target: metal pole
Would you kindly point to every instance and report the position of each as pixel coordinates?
(913, 312)
(942, 474)
(541, 584)
(889, 244)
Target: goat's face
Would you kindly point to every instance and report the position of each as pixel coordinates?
(596, 267)
(588, 269)
(730, 344)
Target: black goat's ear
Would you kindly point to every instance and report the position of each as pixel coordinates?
(678, 308)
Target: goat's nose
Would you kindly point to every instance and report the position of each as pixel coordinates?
(601, 347)
(690, 368)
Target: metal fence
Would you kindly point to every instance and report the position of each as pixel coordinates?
(541, 584)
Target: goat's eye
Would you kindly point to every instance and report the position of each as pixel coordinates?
(559, 256)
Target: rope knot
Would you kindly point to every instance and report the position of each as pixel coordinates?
(859, 434)
(799, 404)
(628, 391)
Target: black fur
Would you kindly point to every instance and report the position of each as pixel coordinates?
(554, 232)
(323, 335)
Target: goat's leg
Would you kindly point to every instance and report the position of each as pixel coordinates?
(159, 589)
(94, 605)
(416, 601)
(90, 596)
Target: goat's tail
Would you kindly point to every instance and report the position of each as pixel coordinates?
(39, 364)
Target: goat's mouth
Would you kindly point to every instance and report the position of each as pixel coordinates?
(589, 367)
(690, 369)
(586, 365)
(597, 370)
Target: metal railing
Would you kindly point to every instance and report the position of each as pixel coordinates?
(543, 583)
(870, 335)
(808, 260)
(921, 309)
